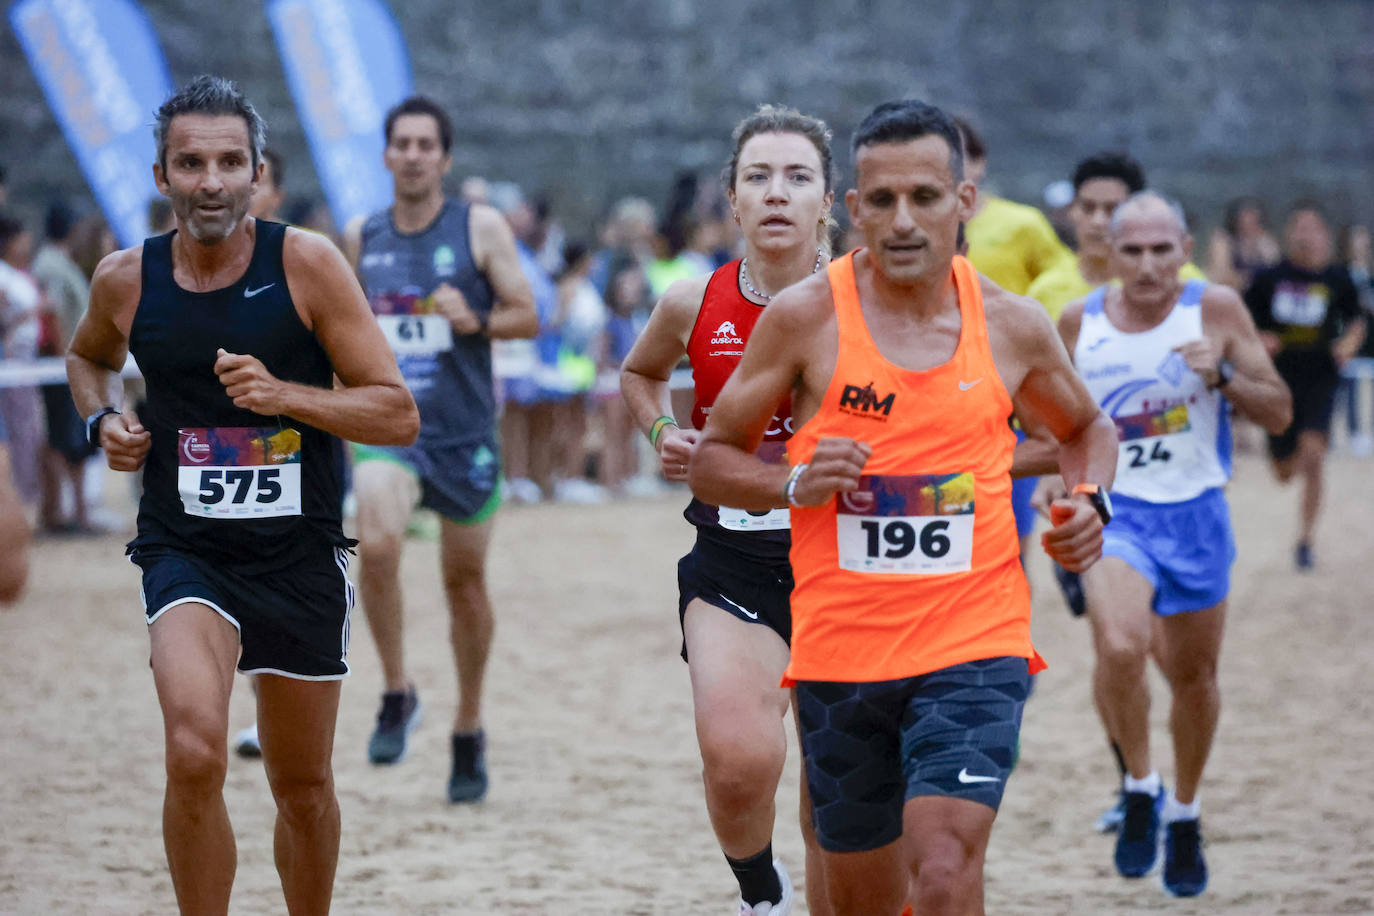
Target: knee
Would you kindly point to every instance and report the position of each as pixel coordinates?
(1122, 653)
(1196, 675)
(466, 584)
(378, 546)
(196, 761)
(740, 772)
(304, 799)
(945, 876)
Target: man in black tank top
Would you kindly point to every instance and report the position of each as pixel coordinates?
(445, 280)
(240, 327)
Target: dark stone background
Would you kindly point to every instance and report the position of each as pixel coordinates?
(592, 100)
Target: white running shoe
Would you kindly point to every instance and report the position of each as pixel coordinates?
(246, 742)
(782, 908)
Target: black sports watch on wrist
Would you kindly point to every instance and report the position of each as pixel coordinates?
(1226, 370)
(1100, 499)
(93, 424)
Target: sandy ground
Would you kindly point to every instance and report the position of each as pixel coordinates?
(596, 804)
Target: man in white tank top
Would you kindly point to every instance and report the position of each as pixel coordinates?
(1166, 360)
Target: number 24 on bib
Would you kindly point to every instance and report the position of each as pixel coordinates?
(907, 524)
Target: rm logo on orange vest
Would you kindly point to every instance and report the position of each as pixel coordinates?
(865, 402)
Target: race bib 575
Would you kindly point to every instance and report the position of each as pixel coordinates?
(232, 472)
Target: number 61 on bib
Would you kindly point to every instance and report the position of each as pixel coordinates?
(907, 524)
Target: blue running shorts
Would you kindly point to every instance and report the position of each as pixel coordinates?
(1184, 550)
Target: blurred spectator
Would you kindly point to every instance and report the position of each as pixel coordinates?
(14, 531)
(68, 293)
(21, 305)
(4, 188)
(475, 190)
(271, 191)
(628, 303)
(547, 237)
(529, 367)
(629, 230)
(1359, 392)
(580, 323)
(1241, 246)
(310, 213)
(682, 251)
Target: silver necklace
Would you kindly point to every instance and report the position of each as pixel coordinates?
(744, 275)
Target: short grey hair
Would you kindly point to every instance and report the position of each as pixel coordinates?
(210, 95)
(1140, 197)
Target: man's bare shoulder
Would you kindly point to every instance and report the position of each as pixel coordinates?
(119, 275)
(486, 221)
(1221, 302)
(1019, 318)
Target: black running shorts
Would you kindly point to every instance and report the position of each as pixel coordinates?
(293, 622)
(754, 590)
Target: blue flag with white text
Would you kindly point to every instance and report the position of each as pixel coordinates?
(104, 76)
(346, 64)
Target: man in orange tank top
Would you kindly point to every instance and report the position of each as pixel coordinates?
(911, 647)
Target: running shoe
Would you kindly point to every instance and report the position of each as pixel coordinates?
(467, 781)
(401, 712)
(767, 908)
(1302, 556)
(246, 742)
(1072, 587)
(1137, 842)
(1109, 821)
(1185, 870)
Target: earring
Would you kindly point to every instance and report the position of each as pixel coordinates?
(735, 215)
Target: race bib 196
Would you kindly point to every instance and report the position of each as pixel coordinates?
(411, 325)
(907, 524)
(239, 472)
(1142, 436)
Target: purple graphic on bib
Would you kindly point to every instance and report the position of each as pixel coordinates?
(910, 495)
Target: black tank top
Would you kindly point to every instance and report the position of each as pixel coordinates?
(222, 481)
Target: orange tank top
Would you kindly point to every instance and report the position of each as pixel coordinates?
(918, 569)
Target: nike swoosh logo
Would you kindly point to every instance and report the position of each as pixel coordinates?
(1094, 346)
(966, 778)
(744, 610)
(965, 386)
(250, 293)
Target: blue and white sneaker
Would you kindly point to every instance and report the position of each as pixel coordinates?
(1137, 842)
(401, 712)
(1185, 870)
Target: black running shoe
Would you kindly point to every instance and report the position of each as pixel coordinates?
(1185, 870)
(1302, 556)
(1137, 842)
(1072, 588)
(467, 781)
(401, 712)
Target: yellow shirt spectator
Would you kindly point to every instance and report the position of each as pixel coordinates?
(1012, 244)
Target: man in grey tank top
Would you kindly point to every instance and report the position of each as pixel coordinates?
(444, 280)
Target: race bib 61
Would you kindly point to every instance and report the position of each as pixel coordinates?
(907, 524)
(230, 472)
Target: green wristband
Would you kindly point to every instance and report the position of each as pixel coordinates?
(657, 429)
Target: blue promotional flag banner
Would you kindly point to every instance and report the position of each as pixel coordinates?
(346, 64)
(104, 76)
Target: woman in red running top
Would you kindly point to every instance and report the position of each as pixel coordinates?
(734, 585)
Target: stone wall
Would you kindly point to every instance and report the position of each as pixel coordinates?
(592, 100)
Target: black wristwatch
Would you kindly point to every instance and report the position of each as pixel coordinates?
(1226, 370)
(1100, 499)
(93, 424)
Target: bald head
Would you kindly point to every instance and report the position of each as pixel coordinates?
(1149, 207)
(1150, 245)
